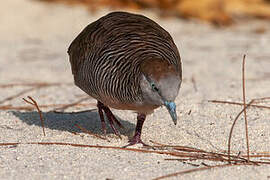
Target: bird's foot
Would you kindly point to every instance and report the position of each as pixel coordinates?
(138, 131)
(136, 140)
(111, 118)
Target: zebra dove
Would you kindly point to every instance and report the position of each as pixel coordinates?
(127, 61)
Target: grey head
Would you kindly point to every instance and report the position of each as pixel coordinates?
(160, 83)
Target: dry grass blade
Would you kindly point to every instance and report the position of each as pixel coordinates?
(90, 133)
(258, 155)
(9, 144)
(37, 84)
(29, 108)
(10, 107)
(103, 147)
(234, 122)
(241, 104)
(262, 99)
(202, 154)
(244, 102)
(17, 95)
(199, 169)
(177, 154)
(71, 104)
(181, 148)
(34, 103)
(34, 86)
(181, 159)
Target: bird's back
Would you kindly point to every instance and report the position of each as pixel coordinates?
(106, 56)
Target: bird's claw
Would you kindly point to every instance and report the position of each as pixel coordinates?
(136, 140)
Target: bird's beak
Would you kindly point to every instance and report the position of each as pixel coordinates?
(172, 110)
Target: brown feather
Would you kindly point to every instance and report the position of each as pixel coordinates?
(158, 69)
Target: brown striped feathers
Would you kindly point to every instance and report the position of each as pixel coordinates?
(127, 61)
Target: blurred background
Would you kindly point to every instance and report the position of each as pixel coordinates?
(220, 12)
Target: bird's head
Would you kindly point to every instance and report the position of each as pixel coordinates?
(160, 83)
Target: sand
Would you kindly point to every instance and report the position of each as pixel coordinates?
(34, 40)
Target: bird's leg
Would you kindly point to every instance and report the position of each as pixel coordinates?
(111, 118)
(138, 131)
(100, 112)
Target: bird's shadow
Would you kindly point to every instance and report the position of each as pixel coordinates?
(66, 121)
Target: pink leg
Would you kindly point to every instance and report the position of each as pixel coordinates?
(111, 118)
(137, 136)
(103, 125)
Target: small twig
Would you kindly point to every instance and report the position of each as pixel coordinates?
(192, 164)
(181, 148)
(244, 102)
(75, 133)
(239, 153)
(198, 153)
(10, 107)
(29, 108)
(241, 104)
(203, 163)
(34, 103)
(177, 154)
(199, 169)
(262, 99)
(181, 159)
(18, 94)
(257, 155)
(234, 122)
(32, 84)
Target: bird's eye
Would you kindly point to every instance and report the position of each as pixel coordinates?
(154, 88)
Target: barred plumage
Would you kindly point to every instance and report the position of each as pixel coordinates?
(106, 59)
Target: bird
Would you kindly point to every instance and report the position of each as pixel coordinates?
(127, 61)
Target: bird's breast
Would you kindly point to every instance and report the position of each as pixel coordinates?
(138, 107)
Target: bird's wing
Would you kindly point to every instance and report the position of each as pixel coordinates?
(81, 46)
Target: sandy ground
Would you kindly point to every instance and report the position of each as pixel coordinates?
(34, 40)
